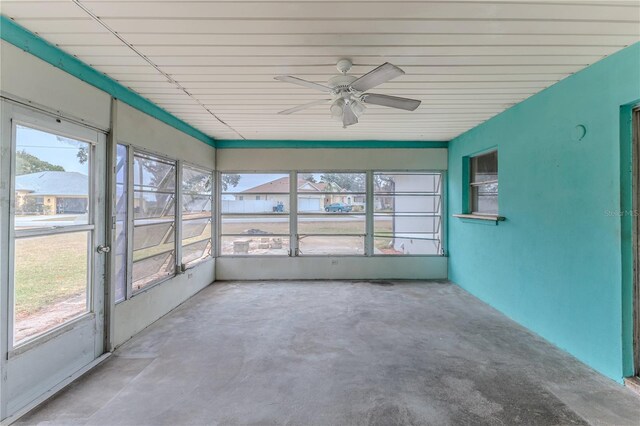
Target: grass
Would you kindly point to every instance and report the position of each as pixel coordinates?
(48, 270)
(315, 227)
(54, 268)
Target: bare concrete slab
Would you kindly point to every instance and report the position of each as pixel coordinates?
(339, 353)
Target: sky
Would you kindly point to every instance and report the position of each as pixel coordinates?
(56, 150)
(248, 181)
(254, 179)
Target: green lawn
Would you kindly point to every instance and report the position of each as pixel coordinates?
(54, 268)
(48, 270)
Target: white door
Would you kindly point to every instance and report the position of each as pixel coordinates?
(53, 204)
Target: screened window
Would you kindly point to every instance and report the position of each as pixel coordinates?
(197, 186)
(407, 213)
(121, 210)
(254, 214)
(154, 194)
(331, 213)
(483, 184)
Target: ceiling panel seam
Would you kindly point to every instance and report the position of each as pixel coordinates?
(145, 58)
(35, 45)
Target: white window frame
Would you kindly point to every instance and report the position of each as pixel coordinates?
(131, 219)
(442, 216)
(214, 205)
(369, 213)
(365, 236)
(131, 149)
(472, 201)
(39, 120)
(220, 215)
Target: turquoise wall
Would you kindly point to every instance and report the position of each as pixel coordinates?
(556, 264)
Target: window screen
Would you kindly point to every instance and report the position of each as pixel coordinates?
(407, 213)
(254, 214)
(121, 210)
(154, 196)
(331, 213)
(197, 196)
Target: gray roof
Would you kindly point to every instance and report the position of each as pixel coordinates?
(53, 183)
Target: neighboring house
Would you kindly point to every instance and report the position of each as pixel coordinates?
(52, 193)
(312, 197)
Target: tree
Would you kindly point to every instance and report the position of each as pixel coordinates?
(384, 183)
(82, 155)
(230, 180)
(354, 182)
(307, 177)
(196, 182)
(28, 163)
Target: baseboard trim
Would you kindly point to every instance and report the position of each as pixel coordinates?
(633, 383)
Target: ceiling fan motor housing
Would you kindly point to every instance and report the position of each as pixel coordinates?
(344, 65)
(349, 94)
(341, 82)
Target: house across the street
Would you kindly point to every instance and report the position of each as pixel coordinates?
(52, 192)
(274, 195)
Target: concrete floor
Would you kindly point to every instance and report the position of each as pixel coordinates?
(339, 353)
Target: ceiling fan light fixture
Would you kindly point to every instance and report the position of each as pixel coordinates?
(337, 109)
(357, 107)
(350, 94)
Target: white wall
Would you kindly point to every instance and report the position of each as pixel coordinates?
(142, 131)
(27, 78)
(331, 267)
(331, 159)
(137, 313)
(139, 129)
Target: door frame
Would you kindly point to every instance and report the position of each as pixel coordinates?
(635, 129)
(15, 113)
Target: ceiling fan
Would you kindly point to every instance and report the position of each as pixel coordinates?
(348, 95)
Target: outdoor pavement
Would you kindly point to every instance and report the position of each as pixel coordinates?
(339, 353)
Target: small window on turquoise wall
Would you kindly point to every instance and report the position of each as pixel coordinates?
(483, 184)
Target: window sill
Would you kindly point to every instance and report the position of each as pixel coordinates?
(487, 219)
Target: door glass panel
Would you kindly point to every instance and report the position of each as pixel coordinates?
(51, 180)
(50, 282)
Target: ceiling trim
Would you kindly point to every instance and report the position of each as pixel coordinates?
(310, 144)
(31, 43)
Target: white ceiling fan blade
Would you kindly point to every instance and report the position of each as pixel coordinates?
(348, 116)
(377, 76)
(391, 101)
(301, 82)
(304, 106)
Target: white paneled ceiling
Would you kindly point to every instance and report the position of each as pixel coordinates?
(212, 63)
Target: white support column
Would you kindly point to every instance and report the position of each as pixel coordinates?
(369, 208)
(293, 213)
(130, 214)
(217, 243)
(178, 218)
(110, 266)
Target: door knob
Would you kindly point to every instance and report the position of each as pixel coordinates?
(103, 249)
